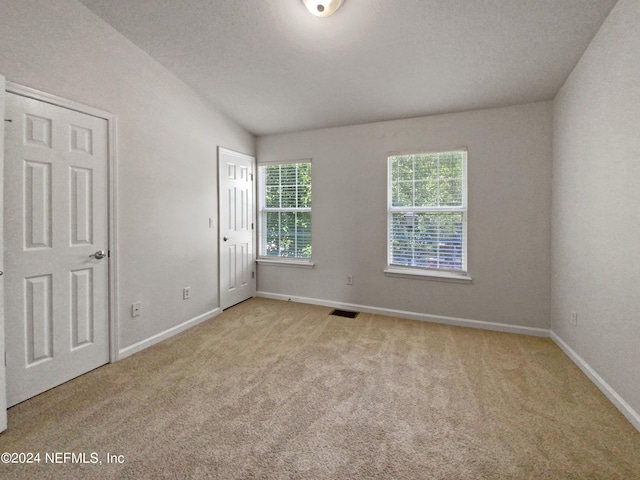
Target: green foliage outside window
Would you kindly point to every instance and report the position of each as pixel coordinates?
(427, 180)
(286, 211)
(427, 210)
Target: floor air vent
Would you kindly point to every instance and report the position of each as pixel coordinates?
(344, 313)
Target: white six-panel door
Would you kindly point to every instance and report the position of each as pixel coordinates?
(56, 223)
(237, 222)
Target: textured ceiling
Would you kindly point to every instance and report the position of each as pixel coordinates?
(273, 67)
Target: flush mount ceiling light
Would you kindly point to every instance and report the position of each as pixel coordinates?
(322, 8)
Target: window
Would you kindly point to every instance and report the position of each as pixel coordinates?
(285, 210)
(427, 212)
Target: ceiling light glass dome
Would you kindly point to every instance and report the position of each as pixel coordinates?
(322, 8)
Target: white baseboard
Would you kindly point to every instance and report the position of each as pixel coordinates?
(604, 387)
(170, 332)
(458, 322)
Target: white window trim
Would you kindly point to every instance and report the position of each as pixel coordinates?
(277, 260)
(285, 262)
(427, 274)
(393, 270)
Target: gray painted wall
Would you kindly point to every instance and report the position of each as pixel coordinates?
(509, 170)
(596, 205)
(167, 141)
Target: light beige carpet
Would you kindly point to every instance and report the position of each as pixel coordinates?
(281, 390)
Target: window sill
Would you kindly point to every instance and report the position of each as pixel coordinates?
(281, 262)
(427, 275)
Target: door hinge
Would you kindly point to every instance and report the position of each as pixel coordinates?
(252, 226)
(253, 274)
(108, 253)
(251, 176)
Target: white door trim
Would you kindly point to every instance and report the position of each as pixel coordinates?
(112, 211)
(3, 378)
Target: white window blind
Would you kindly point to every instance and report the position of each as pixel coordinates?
(427, 211)
(285, 210)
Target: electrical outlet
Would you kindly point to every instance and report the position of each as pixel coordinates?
(135, 309)
(349, 279)
(574, 319)
(186, 293)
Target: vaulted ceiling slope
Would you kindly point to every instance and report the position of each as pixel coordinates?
(273, 67)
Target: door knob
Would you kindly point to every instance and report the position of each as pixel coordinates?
(99, 255)
(226, 238)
